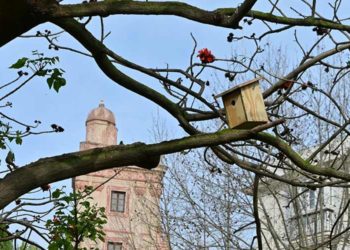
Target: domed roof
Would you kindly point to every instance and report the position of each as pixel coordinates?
(102, 114)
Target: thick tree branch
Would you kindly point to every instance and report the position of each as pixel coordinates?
(65, 166)
(298, 160)
(20, 16)
(15, 20)
(218, 17)
(309, 63)
(107, 8)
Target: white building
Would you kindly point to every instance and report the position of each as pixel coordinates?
(304, 218)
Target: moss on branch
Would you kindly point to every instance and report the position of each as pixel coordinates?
(219, 17)
(65, 166)
(20, 15)
(300, 162)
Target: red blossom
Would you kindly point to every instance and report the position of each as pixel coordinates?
(206, 56)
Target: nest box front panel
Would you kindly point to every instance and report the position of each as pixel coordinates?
(234, 107)
(254, 104)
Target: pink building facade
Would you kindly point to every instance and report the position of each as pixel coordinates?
(130, 194)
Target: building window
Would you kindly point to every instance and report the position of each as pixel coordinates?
(312, 223)
(312, 199)
(114, 246)
(118, 202)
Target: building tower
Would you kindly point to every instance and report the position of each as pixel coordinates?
(129, 194)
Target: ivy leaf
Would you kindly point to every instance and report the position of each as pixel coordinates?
(56, 80)
(58, 83)
(56, 194)
(50, 82)
(19, 140)
(19, 64)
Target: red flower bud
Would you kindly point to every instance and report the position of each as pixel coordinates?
(55, 219)
(46, 187)
(286, 84)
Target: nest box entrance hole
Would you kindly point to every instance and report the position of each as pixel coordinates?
(244, 105)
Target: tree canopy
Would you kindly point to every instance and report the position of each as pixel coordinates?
(307, 131)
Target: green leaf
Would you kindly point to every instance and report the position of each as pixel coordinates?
(19, 64)
(56, 73)
(67, 199)
(53, 246)
(19, 140)
(56, 80)
(50, 82)
(41, 72)
(59, 83)
(56, 194)
(85, 204)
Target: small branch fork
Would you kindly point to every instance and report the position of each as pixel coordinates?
(241, 12)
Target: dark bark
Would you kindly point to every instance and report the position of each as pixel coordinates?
(14, 20)
(19, 16)
(256, 211)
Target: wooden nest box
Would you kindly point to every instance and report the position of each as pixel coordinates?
(244, 105)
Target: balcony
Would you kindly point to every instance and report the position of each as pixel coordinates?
(312, 225)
